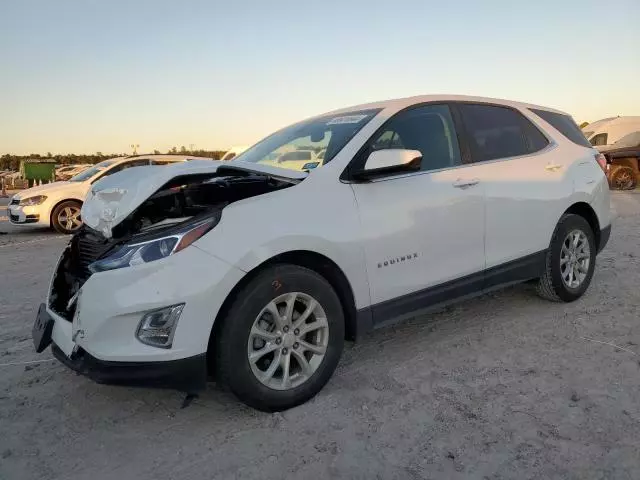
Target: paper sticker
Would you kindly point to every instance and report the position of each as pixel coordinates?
(346, 119)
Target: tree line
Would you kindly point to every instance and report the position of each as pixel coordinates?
(12, 162)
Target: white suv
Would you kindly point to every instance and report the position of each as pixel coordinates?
(260, 273)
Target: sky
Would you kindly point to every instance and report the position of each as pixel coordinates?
(82, 76)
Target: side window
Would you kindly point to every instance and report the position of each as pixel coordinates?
(164, 162)
(428, 129)
(600, 139)
(499, 132)
(135, 163)
(124, 166)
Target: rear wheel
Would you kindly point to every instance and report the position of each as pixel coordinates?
(281, 339)
(65, 218)
(622, 178)
(570, 260)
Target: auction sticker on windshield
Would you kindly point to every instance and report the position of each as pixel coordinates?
(346, 119)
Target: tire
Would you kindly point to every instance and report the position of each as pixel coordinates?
(622, 178)
(237, 340)
(62, 222)
(553, 285)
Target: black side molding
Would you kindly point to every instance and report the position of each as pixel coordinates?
(428, 299)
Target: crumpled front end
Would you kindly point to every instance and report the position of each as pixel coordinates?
(105, 306)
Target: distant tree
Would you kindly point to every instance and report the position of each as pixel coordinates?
(173, 150)
(584, 124)
(157, 152)
(183, 150)
(49, 155)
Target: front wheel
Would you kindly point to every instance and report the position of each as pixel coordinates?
(281, 339)
(65, 218)
(570, 261)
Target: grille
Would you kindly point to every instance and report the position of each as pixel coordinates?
(86, 248)
(73, 269)
(14, 218)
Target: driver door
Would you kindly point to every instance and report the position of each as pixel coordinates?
(422, 232)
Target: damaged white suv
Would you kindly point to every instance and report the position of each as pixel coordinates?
(258, 274)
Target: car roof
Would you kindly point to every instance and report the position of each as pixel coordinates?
(175, 158)
(400, 103)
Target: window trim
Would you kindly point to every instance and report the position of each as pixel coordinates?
(466, 158)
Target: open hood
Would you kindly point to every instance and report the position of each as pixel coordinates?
(114, 198)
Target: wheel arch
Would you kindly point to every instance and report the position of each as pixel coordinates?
(317, 262)
(60, 202)
(587, 212)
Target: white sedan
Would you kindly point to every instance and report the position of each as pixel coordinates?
(57, 205)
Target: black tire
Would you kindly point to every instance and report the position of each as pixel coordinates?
(551, 285)
(622, 177)
(58, 225)
(231, 344)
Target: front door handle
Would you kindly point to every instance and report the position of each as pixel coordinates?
(460, 183)
(553, 167)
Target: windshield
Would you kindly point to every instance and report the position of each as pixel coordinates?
(90, 172)
(292, 147)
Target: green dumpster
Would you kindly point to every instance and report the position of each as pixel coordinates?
(38, 170)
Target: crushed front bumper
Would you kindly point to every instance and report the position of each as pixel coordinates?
(187, 374)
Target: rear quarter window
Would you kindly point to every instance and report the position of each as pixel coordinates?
(496, 131)
(565, 125)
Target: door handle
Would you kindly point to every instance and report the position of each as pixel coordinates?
(553, 167)
(460, 183)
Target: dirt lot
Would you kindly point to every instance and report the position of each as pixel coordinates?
(504, 386)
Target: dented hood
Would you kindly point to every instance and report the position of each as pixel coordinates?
(113, 198)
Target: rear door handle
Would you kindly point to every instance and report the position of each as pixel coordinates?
(460, 183)
(553, 167)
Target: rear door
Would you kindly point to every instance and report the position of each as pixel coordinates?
(420, 229)
(508, 155)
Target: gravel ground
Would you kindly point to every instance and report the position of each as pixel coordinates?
(503, 386)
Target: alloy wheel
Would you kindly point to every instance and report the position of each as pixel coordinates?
(288, 341)
(69, 218)
(575, 257)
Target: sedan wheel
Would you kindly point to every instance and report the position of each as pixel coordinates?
(69, 218)
(65, 217)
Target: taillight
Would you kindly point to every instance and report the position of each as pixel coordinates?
(602, 161)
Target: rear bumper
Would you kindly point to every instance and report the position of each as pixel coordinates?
(605, 233)
(188, 374)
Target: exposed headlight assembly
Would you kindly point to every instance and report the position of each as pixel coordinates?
(30, 201)
(160, 246)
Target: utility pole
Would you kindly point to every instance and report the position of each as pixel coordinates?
(135, 147)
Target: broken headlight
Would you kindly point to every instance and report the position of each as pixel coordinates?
(160, 246)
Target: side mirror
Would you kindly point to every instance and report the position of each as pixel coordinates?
(384, 162)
